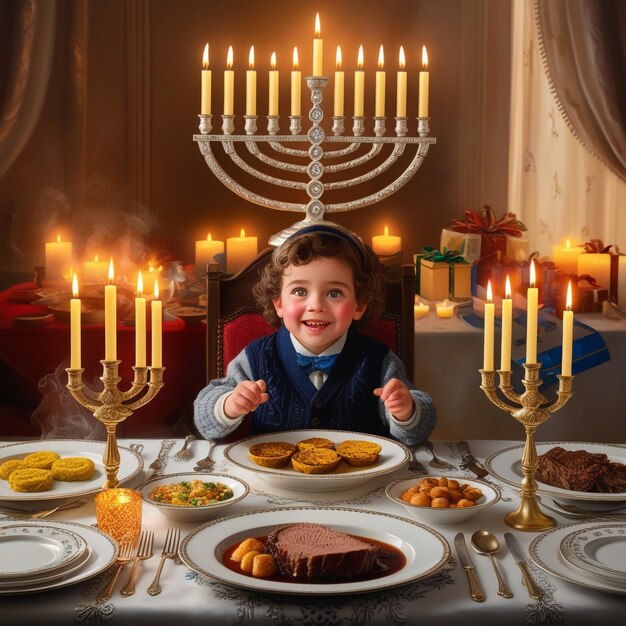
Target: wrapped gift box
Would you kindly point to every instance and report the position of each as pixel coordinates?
(587, 296)
(477, 245)
(438, 280)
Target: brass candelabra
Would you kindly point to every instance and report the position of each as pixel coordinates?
(112, 406)
(532, 411)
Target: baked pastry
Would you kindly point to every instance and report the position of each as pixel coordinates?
(73, 468)
(30, 480)
(315, 442)
(271, 453)
(10, 466)
(41, 460)
(315, 461)
(359, 453)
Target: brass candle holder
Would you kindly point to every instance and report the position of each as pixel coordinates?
(112, 406)
(533, 410)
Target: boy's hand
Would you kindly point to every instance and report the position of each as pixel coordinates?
(245, 398)
(397, 398)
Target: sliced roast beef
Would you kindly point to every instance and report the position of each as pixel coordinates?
(316, 552)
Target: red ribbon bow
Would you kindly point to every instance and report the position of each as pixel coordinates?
(484, 222)
(595, 246)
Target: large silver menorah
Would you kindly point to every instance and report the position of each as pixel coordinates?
(314, 210)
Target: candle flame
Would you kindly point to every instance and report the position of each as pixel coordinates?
(359, 58)
(229, 58)
(242, 234)
(95, 258)
(533, 277)
(386, 231)
(567, 244)
(75, 286)
(381, 58)
(401, 58)
(156, 289)
(208, 237)
(273, 60)
(251, 58)
(58, 238)
(424, 58)
(318, 28)
(568, 298)
(295, 58)
(111, 271)
(489, 292)
(205, 57)
(507, 287)
(139, 285)
(338, 58)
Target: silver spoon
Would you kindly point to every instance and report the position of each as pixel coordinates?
(487, 543)
(435, 461)
(207, 461)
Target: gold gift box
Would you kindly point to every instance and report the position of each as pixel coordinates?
(439, 280)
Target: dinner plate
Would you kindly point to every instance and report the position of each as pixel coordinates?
(599, 550)
(507, 466)
(26, 550)
(425, 550)
(104, 551)
(33, 319)
(545, 552)
(131, 464)
(393, 456)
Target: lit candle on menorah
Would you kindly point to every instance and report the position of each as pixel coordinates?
(112, 406)
(531, 407)
(308, 163)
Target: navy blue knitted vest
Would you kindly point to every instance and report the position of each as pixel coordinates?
(345, 401)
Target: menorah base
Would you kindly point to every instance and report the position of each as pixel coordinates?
(529, 517)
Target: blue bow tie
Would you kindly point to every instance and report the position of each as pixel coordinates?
(312, 363)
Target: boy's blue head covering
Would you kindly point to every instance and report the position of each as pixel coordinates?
(328, 228)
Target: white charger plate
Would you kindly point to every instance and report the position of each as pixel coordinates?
(426, 551)
(545, 552)
(26, 551)
(131, 464)
(507, 466)
(392, 457)
(104, 551)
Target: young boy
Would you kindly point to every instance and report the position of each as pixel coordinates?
(317, 370)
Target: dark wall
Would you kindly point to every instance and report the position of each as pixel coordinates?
(115, 136)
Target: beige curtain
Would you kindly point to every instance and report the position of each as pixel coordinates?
(557, 187)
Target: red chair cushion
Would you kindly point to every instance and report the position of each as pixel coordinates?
(237, 331)
(387, 330)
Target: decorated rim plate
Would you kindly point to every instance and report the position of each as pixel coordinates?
(131, 464)
(104, 551)
(545, 552)
(26, 551)
(425, 550)
(393, 456)
(507, 466)
(599, 550)
(189, 313)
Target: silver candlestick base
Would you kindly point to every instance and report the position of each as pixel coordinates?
(205, 123)
(272, 124)
(295, 124)
(228, 124)
(250, 124)
(358, 127)
(423, 127)
(402, 126)
(339, 127)
(379, 126)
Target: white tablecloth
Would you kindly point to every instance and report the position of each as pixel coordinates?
(441, 599)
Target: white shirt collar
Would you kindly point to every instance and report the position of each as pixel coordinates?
(335, 348)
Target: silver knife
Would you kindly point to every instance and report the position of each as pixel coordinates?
(534, 591)
(476, 591)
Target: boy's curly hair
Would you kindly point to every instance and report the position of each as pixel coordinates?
(301, 249)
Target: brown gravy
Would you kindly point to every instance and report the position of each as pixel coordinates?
(391, 558)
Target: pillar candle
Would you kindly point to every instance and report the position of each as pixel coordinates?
(598, 266)
(152, 276)
(424, 86)
(157, 322)
(318, 49)
(239, 252)
(110, 317)
(386, 244)
(339, 85)
(568, 333)
(273, 98)
(507, 324)
(140, 325)
(58, 259)
(359, 85)
(532, 312)
(566, 257)
(379, 98)
(401, 87)
(489, 330)
(205, 100)
(95, 271)
(251, 85)
(75, 326)
(206, 249)
(229, 84)
(296, 86)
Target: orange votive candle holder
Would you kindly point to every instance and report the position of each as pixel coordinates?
(118, 513)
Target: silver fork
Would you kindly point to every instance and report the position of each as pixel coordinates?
(436, 461)
(144, 551)
(207, 461)
(170, 551)
(126, 553)
(184, 452)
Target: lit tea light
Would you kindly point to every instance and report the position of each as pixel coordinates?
(445, 309)
(118, 513)
(386, 244)
(420, 309)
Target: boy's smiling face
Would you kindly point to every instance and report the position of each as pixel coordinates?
(317, 302)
